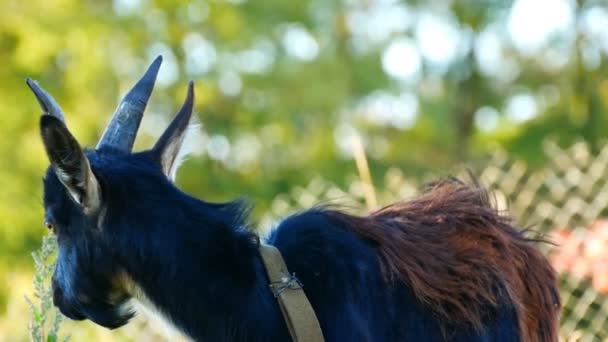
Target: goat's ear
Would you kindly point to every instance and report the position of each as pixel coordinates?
(70, 163)
(167, 148)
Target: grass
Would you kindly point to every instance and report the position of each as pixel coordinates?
(45, 319)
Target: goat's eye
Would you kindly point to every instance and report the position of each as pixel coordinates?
(49, 225)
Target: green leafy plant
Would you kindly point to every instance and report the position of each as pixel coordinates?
(45, 318)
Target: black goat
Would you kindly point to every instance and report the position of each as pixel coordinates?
(445, 266)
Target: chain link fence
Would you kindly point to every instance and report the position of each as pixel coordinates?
(567, 201)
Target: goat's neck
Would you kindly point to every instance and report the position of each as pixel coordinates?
(195, 276)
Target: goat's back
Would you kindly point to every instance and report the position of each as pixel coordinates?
(445, 266)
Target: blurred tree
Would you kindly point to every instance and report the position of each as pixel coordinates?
(283, 86)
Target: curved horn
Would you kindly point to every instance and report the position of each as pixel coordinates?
(47, 102)
(167, 148)
(122, 129)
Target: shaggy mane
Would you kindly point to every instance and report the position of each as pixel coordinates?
(462, 258)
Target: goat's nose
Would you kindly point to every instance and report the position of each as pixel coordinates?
(57, 293)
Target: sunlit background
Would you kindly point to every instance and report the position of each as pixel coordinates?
(284, 88)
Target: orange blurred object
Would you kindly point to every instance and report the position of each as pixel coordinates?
(583, 256)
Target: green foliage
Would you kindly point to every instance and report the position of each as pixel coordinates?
(44, 317)
(278, 111)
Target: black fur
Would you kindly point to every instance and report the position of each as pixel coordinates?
(199, 264)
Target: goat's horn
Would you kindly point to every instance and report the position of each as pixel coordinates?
(47, 102)
(122, 129)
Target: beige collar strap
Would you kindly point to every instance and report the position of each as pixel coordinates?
(299, 316)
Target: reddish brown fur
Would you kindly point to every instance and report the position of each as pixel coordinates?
(461, 257)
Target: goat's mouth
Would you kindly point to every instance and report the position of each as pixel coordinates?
(111, 321)
(108, 316)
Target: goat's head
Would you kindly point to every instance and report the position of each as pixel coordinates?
(89, 279)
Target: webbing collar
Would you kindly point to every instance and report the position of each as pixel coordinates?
(299, 316)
